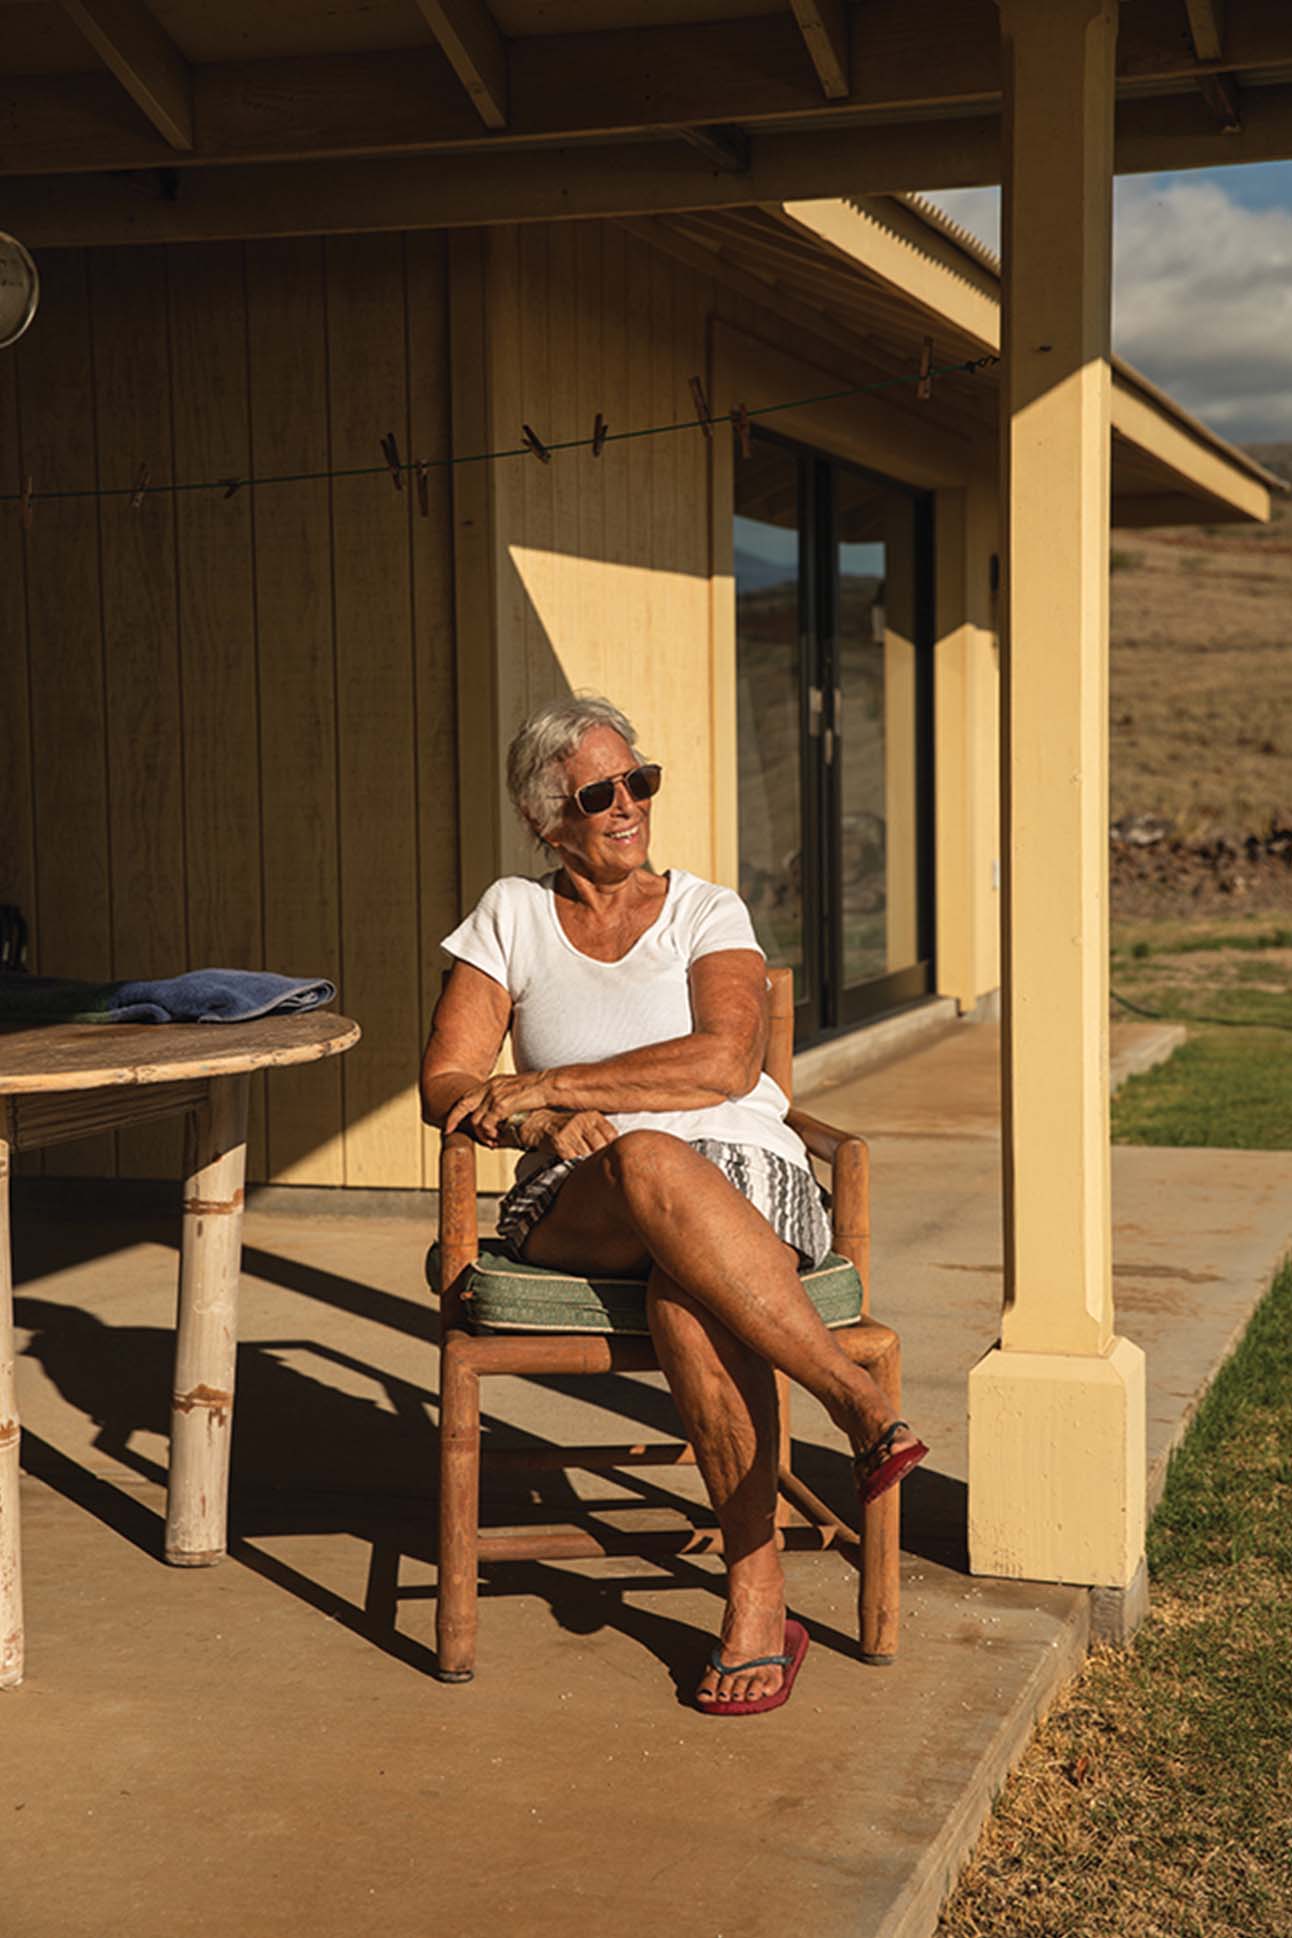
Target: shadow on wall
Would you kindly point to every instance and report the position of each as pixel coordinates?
(229, 736)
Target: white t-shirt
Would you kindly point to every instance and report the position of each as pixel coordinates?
(569, 1008)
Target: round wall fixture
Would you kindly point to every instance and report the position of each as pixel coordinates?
(19, 290)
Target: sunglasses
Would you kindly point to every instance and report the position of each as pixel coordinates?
(594, 797)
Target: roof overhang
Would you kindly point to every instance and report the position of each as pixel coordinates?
(884, 273)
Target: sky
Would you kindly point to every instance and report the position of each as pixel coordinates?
(1202, 288)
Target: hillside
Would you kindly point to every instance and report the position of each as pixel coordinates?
(1201, 711)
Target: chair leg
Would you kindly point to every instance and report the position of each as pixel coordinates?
(459, 1546)
(878, 1598)
(783, 1446)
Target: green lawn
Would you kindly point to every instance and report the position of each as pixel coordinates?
(1230, 1085)
(1156, 1800)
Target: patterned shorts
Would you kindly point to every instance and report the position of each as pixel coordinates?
(788, 1196)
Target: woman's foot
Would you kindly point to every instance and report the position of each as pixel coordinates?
(886, 1459)
(753, 1626)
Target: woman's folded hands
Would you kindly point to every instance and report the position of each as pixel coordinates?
(511, 1111)
(565, 1133)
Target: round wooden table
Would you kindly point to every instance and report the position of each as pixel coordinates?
(66, 1080)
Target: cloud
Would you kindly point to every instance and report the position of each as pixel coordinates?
(1202, 292)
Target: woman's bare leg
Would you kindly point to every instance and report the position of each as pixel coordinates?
(648, 1198)
(726, 1397)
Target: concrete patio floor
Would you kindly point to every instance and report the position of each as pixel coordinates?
(261, 1747)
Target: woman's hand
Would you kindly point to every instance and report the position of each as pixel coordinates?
(483, 1109)
(566, 1133)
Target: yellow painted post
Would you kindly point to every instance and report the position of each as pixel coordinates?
(1057, 1455)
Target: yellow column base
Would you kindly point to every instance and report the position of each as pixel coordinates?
(1057, 1465)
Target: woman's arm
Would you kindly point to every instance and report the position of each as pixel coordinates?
(467, 1032)
(720, 1059)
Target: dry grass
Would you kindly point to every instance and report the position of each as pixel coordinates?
(1156, 1800)
(1202, 676)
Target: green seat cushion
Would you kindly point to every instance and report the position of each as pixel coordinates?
(507, 1296)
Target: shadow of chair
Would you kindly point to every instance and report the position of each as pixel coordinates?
(618, 1341)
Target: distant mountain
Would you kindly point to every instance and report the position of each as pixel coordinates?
(756, 574)
(1275, 457)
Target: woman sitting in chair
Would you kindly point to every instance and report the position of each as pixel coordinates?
(654, 1144)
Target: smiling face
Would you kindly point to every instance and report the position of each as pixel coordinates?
(604, 847)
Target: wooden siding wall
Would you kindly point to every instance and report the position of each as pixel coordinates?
(604, 563)
(227, 724)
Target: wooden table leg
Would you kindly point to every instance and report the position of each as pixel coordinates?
(11, 1629)
(206, 1339)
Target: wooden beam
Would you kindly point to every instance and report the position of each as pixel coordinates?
(440, 192)
(726, 147)
(824, 27)
(1220, 92)
(634, 178)
(1178, 132)
(466, 31)
(586, 86)
(1206, 27)
(145, 60)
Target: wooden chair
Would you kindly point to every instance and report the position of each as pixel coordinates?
(613, 1337)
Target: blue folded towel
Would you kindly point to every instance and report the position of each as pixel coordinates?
(200, 996)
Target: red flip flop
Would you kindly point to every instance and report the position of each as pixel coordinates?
(875, 1473)
(796, 1643)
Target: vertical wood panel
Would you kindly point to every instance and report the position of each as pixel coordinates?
(56, 406)
(140, 644)
(429, 436)
(17, 839)
(381, 983)
(17, 848)
(537, 478)
(506, 482)
(217, 623)
(571, 582)
(287, 368)
(591, 394)
(477, 597)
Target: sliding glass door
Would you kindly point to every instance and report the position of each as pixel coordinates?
(833, 572)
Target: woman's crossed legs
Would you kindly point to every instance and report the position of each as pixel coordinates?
(726, 1305)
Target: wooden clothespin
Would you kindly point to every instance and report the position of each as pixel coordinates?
(599, 430)
(740, 418)
(24, 504)
(533, 442)
(390, 451)
(701, 403)
(423, 487)
(140, 486)
(924, 388)
(232, 486)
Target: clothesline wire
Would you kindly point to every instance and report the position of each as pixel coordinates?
(229, 484)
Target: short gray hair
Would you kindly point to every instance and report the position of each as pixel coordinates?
(545, 741)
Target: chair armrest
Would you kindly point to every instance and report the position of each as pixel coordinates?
(848, 1156)
(823, 1140)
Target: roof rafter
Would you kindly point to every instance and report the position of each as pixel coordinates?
(726, 147)
(144, 59)
(824, 27)
(1219, 91)
(598, 85)
(1207, 27)
(467, 32)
